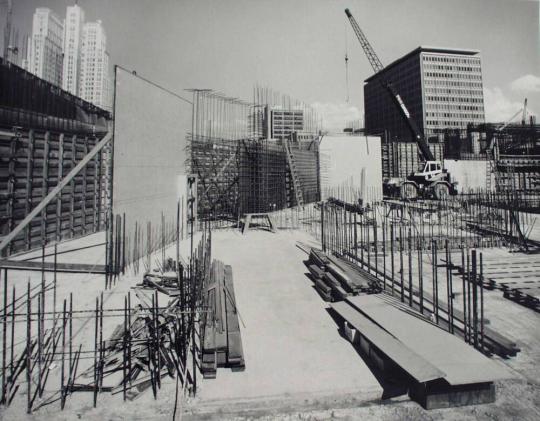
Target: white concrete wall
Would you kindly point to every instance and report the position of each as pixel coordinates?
(470, 175)
(351, 167)
(149, 151)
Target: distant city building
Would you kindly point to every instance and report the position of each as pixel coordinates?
(441, 87)
(284, 122)
(73, 31)
(45, 59)
(94, 84)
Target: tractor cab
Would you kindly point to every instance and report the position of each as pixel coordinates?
(432, 171)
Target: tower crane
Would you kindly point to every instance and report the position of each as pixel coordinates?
(433, 180)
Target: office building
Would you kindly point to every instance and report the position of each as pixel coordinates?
(283, 122)
(73, 31)
(441, 87)
(46, 46)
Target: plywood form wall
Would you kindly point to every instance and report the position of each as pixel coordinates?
(31, 165)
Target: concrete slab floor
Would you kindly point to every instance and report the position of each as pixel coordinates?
(291, 344)
(297, 364)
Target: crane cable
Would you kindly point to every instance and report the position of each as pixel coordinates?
(346, 67)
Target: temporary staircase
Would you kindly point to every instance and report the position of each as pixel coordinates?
(294, 173)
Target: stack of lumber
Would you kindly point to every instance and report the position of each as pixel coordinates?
(220, 329)
(335, 278)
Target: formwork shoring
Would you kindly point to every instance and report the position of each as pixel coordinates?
(44, 133)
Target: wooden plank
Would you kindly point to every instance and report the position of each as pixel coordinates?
(416, 366)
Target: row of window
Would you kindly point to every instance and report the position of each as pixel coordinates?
(452, 99)
(460, 60)
(455, 115)
(446, 123)
(452, 76)
(458, 90)
(451, 68)
(455, 107)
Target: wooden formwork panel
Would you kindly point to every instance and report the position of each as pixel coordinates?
(32, 164)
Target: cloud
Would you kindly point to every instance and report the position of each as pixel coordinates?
(336, 116)
(498, 107)
(527, 83)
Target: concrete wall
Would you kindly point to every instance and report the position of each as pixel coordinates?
(351, 167)
(150, 126)
(468, 174)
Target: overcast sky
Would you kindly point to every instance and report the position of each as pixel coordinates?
(298, 46)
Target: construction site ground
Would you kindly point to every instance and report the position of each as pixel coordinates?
(298, 366)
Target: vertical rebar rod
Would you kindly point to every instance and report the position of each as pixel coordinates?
(4, 341)
(481, 303)
(392, 255)
(28, 351)
(464, 274)
(96, 351)
(12, 353)
(474, 298)
(62, 374)
(409, 244)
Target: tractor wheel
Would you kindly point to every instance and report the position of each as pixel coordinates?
(441, 191)
(408, 191)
